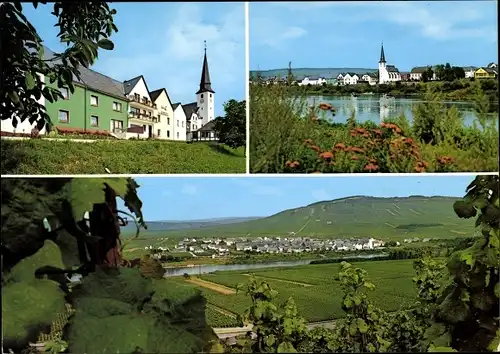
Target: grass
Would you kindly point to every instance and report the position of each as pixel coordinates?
(41, 156)
(383, 218)
(284, 141)
(322, 299)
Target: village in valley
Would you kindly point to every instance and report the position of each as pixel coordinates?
(217, 247)
(385, 74)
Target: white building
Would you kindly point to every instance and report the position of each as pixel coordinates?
(179, 122)
(163, 127)
(350, 79)
(469, 71)
(23, 127)
(141, 109)
(387, 73)
(312, 81)
(371, 78)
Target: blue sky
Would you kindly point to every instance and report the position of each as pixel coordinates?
(195, 198)
(164, 42)
(349, 34)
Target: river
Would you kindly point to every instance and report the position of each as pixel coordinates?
(209, 268)
(375, 108)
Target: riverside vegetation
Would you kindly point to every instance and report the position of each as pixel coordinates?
(125, 306)
(284, 141)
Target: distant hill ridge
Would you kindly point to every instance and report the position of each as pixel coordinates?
(354, 216)
(302, 72)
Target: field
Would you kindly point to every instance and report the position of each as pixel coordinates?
(384, 218)
(313, 288)
(41, 156)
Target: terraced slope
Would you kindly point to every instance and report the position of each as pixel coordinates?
(357, 216)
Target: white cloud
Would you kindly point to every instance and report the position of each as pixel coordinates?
(258, 188)
(436, 20)
(176, 52)
(270, 31)
(189, 189)
(321, 194)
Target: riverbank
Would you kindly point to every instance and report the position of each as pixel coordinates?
(458, 90)
(436, 140)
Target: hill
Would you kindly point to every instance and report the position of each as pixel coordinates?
(168, 225)
(303, 72)
(357, 216)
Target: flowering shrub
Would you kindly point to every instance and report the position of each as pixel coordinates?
(382, 149)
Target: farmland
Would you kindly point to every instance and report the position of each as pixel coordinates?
(313, 287)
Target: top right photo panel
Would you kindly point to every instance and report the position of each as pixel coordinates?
(381, 87)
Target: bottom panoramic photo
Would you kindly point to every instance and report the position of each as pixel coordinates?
(250, 264)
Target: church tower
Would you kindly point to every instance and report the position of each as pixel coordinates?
(383, 75)
(205, 97)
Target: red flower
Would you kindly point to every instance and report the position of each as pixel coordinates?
(315, 148)
(308, 141)
(327, 155)
(326, 107)
(353, 157)
(339, 146)
(371, 167)
(377, 131)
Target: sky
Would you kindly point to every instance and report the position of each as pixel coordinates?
(349, 34)
(197, 198)
(164, 42)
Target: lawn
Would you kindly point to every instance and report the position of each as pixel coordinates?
(42, 156)
(313, 287)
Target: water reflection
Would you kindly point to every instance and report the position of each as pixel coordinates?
(377, 109)
(210, 268)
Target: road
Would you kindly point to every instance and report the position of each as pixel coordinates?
(229, 334)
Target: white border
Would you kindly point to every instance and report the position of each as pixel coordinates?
(247, 86)
(263, 175)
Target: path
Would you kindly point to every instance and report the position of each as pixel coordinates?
(212, 286)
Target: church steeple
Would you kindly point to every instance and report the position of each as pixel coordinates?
(382, 54)
(205, 85)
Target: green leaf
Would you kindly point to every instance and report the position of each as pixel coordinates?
(353, 328)
(106, 44)
(270, 340)
(286, 347)
(362, 326)
(14, 97)
(441, 349)
(497, 290)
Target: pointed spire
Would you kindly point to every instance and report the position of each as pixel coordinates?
(205, 85)
(382, 54)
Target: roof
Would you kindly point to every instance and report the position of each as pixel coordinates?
(419, 69)
(92, 79)
(189, 109)
(175, 105)
(156, 93)
(382, 54)
(130, 84)
(208, 127)
(205, 84)
(392, 69)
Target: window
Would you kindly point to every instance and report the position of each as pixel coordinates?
(201, 95)
(177, 122)
(168, 121)
(159, 132)
(177, 135)
(94, 100)
(63, 117)
(159, 118)
(94, 121)
(117, 106)
(137, 97)
(116, 125)
(210, 95)
(182, 123)
(65, 92)
(168, 133)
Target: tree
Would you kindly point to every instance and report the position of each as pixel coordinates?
(428, 74)
(83, 26)
(458, 72)
(440, 71)
(289, 76)
(231, 129)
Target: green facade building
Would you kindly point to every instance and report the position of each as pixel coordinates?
(98, 103)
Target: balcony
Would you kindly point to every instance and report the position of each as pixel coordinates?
(143, 117)
(142, 102)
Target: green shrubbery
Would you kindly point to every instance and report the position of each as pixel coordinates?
(283, 141)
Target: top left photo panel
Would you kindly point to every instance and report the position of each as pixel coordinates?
(123, 88)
